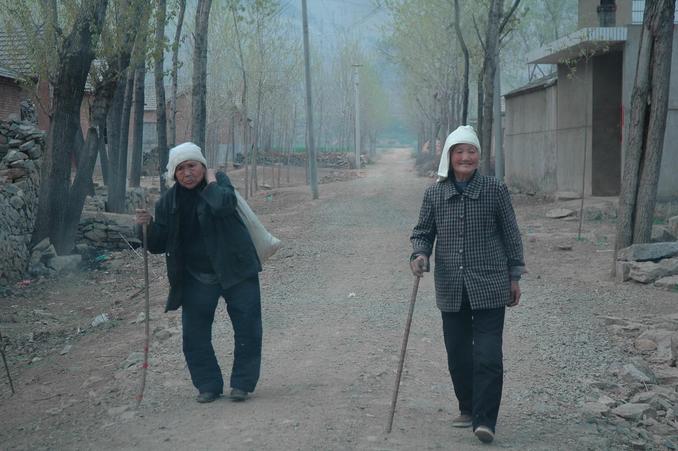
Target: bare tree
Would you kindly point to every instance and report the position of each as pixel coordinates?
(644, 134)
(198, 101)
(159, 76)
(309, 107)
(133, 27)
(173, 97)
(464, 49)
(138, 118)
(496, 23)
(75, 57)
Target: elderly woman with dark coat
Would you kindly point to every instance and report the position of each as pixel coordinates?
(209, 255)
(478, 264)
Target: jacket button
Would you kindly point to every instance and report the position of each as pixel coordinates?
(461, 251)
(167, 254)
(461, 267)
(461, 216)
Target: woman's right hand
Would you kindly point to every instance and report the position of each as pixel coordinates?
(142, 217)
(419, 265)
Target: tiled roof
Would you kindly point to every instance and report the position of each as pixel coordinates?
(8, 73)
(540, 83)
(14, 60)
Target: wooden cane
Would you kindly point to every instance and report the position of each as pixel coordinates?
(147, 310)
(403, 349)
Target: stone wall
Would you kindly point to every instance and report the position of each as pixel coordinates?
(21, 150)
(112, 231)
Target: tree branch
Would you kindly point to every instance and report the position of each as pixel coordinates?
(480, 39)
(508, 15)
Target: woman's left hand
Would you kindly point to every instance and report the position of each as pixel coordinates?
(515, 293)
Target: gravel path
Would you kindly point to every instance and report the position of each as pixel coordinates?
(335, 301)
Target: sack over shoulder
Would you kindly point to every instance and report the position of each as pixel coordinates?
(265, 243)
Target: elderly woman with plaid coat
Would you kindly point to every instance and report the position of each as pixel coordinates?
(478, 263)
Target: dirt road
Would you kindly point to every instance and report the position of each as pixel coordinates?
(334, 303)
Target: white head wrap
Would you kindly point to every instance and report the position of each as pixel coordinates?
(464, 134)
(183, 152)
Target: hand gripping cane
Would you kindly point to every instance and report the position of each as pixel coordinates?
(403, 349)
(147, 310)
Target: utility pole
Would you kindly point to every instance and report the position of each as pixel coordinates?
(356, 89)
(309, 106)
(498, 132)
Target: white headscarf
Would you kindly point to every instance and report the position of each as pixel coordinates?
(183, 152)
(464, 134)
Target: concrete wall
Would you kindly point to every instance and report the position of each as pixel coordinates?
(530, 141)
(574, 135)
(668, 182)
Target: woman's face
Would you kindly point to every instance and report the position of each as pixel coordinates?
(464, 161)
(190, 173)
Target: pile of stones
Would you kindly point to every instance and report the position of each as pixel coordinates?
(652, 263)
(637, 398)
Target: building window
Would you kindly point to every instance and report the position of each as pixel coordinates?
(607, 11)
(638, 10)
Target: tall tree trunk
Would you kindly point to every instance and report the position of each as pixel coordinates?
(103, 95)
(243, 100)
(175, 71)
(309, 106)
(113, 128)
(118, 188)
(138, 121)
(75, 57)
(645, 127)
(160, 104)
(464, 49)
(489, 67)
(660, 73)
(199, 97)
(257, 136)
(479, 106)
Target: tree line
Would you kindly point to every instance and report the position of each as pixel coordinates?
(240, 60)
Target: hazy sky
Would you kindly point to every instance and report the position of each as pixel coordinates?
(357, 17)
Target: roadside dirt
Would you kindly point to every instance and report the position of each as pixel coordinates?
(335, 299)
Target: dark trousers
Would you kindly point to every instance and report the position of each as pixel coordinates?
(244, 308)
(473, 339)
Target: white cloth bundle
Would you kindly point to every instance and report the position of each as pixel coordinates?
(265, 243)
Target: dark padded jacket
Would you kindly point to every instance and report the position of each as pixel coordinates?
(227, 240)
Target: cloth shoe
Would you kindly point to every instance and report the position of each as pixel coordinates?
(206, 397)
(238, 395)
(484, 434)
(464, 420)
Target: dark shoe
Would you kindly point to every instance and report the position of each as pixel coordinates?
(484, 434)
(207, 396)
(464, 420)
(238, 395)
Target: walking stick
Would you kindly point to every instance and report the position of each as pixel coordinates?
(147, 310)
(403, 349)
(4, 360)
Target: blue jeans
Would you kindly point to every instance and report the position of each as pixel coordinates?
(243, 304)
(473, 339)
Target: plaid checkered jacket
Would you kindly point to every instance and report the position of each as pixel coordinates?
(476, 239)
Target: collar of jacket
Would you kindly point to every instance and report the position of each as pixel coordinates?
(172, 193)
(472, 190)
(174, 205)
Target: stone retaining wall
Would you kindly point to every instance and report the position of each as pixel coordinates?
(21, 150)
